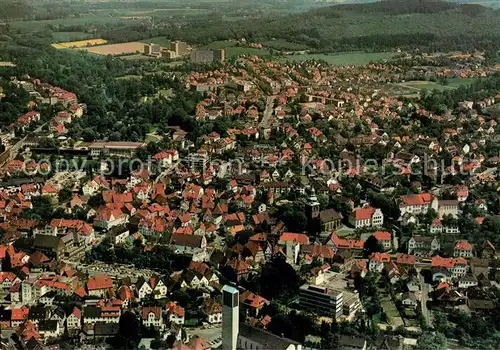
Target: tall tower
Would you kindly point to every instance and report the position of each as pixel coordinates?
(230, 317)
(312, 205)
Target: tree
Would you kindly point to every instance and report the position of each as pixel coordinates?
(432, 341)
(65, 194)
(128, 335)
(372, 245)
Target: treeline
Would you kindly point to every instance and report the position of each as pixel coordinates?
(439, 101)
(434, 26)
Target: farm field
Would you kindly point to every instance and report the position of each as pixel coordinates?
(116, 49)
(341, 59)
(79, 44)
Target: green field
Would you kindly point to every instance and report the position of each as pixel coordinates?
(453, 83)
(341, 59)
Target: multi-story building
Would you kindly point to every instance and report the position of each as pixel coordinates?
(366, 216)
(151, 317)
(417, 203)
(152, 49)
(119, 149)
(351, 304)
(462, 249)
(208, 56)
(323, 300)
(423, 246)
(179, 47)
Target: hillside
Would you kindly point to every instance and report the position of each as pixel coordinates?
(436, 25)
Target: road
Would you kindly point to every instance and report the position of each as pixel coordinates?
(423, 302)
(266, 120)
(17, 146)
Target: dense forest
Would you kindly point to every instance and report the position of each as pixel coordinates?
(434, 25)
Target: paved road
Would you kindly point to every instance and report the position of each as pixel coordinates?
(266, 120)
(425, 293)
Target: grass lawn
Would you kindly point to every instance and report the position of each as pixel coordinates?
(152, 138)
(70, 36)
(389, 307)
(341, 59)
(345, 231)
(419, 85)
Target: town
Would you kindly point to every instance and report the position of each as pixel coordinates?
(280, 205)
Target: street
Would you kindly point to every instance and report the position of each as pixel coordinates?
(264, 123)
(423, 302)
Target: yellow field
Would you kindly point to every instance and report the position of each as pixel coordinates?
(81, 43)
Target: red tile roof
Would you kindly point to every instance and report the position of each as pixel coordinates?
(294, 237)
(417, 199)
(382, 235)
(438, 261)
(380, 257)
(405, 259)
(99, 282)
(363, 213)
(346, 243)
(146, 310)
(463, 245)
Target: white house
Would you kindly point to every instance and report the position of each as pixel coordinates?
(74, 320)
(152, 317)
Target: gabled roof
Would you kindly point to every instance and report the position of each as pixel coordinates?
(99, 282)
(294, 237)
(382, 235)
(463, 245)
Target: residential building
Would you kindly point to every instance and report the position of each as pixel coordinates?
(423, 246)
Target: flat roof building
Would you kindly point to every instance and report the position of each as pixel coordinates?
(122, 149)
(323, 300)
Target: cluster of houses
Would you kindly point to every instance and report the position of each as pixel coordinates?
(227, 222)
